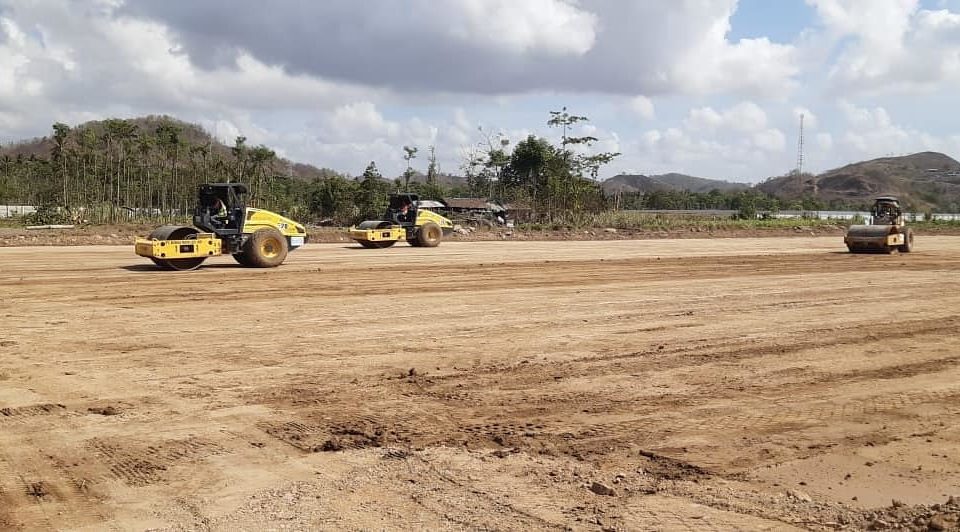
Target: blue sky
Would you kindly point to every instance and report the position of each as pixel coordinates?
(777, 20)
(708, 87)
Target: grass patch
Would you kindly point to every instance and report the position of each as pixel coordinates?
(668, 222)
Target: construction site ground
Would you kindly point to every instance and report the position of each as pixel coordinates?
(675, 384)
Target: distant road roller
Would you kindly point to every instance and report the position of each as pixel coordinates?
(886, 233)
(406, 221)
(224, 225)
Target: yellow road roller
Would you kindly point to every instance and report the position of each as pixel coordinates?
(406, 221)
(255, 238)
(886, 233)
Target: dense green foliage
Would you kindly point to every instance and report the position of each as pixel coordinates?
(123, 170)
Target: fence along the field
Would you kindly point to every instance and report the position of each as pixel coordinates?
(792, 215)
(10, 211)
(100, 214)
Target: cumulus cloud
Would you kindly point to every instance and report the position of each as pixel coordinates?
(732, 143)
(871, 132)
(643, 107)
(745, 117)
(57, 63)
(339, 83)
(885, 45)
(824, 141)
(487, 46)
(356, 122)
(771, 140)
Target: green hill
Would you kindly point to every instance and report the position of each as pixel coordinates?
(667, 182)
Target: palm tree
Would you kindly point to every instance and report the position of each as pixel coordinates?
(60, 133)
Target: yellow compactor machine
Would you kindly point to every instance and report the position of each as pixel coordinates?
(886, 233)
(224, 225)
(405, 221)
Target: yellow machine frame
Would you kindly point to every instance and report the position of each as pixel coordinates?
(393, 233)
(205, 245)
(210, 245)
(384, 232)
(223, 225)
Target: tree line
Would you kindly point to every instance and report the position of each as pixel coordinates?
(148, 168)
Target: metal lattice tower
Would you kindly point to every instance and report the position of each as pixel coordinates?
(800, 154)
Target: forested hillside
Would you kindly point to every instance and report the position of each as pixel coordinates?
(118, 169)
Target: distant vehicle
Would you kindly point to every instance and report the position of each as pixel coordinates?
(886, 233)
(406, 219)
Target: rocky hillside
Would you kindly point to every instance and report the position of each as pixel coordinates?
(922, 180)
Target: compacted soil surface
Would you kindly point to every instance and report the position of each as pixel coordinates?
(672, 384)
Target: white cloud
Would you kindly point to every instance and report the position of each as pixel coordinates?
(339, 83)
(643, 107)
(871, 132)
(771, 140)
(356, 122)
(733, 143)
(758, 65)
(744, 117)
(881, 23)
(490, 46)
(548, 26)
(824, 141)
(704, 119)
(890, 45)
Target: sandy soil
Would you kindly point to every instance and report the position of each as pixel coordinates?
(123, 235)
(619, 385)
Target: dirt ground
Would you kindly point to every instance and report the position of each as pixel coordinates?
(715, 384)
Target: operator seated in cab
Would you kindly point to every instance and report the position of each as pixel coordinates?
(404, 215)
(885, 213)
(218, 212)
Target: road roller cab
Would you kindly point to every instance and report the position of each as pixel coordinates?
(224, 225)
(886, 233)
(886, 211)
(221, 208)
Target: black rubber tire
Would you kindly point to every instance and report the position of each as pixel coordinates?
(381, 244)
(265, 248)
(429, 235)
(242, 259)
(907, 246)
(176, 232)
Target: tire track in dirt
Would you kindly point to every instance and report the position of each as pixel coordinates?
(140, 465)
(481, 503)
(25, 414)
(39, 490)
(535, 420)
